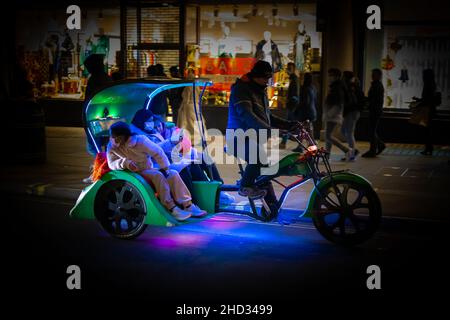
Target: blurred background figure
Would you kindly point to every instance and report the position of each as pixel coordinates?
(175, 94)
(307, 109)
(375, 101)
(293, 98)
(333, 110)
(353, 104)
(158, 104)
(187, 118)
(160, 71)
(98, 79)
(429, 100)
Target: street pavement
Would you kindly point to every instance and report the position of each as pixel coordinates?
(410, 185)
(229, 258)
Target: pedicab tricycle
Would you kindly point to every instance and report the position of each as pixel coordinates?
(343, 206)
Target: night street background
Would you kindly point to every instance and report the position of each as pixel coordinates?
(228, 258)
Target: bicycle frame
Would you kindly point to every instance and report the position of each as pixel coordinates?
(310, 159)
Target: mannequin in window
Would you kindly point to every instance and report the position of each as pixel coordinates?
(226, 49)
(267, 50)
(298, 47)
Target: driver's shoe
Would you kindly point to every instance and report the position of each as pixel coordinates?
(252, 192)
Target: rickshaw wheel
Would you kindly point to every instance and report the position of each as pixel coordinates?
(350, 220)
(120, 209)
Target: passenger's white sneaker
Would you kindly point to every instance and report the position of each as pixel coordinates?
(195, 211)
(180, 214)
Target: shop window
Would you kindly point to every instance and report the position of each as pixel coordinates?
(403, 52)
(152, 37)
(233, 37)
(54, 57)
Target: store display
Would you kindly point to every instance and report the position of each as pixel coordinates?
(267, 50)
(298, 47)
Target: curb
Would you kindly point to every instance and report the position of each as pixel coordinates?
(44, 190)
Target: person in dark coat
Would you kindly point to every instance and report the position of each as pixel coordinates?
(97, 80)
(333, 110)
(174, 95)
(292, 99)
(307, 109)
(376, 101)
(352, 105)
(428, 100)
(249, 109)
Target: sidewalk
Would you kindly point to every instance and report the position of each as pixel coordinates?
(409, 184)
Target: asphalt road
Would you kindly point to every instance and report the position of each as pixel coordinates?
(226, 259)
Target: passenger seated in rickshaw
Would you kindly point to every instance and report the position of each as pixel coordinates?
(177, 144)
(127, 151)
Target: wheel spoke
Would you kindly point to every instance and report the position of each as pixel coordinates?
(323, 211)
(355, 221)
(117, 195)
(344, 196)
(357, 203)
(121, 194)
(112, 206)
(327, 198)
(330, 205)
(342, 226)
(130, 204)
(129, 223)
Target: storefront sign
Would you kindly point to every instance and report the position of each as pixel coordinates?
(226, 66)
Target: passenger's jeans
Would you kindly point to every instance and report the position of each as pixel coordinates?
(171, 190)
(348, 127)
(331, 140)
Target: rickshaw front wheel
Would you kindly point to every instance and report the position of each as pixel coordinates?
(349, 216)
(120, 209)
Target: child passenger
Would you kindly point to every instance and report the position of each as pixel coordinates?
(127, 151)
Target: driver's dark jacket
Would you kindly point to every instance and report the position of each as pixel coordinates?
(249, 107)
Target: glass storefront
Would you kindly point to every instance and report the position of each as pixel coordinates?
(53, 56)
(402, 52)
(219, 42)
(223, 42)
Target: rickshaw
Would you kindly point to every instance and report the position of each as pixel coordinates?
(343, 206)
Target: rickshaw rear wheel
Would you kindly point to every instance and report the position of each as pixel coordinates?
(120, 209)
(350, 219)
